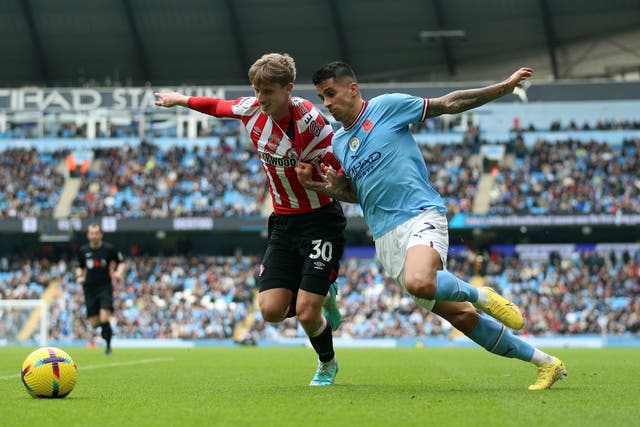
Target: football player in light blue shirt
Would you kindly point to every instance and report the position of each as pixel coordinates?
(389, 174)
(384, 171)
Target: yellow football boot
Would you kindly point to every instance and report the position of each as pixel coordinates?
(502, 309)
(548, 374)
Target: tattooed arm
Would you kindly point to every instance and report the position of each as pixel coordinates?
(335, 185)
(463, 100)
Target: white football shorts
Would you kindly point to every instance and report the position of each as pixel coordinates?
(430, 228)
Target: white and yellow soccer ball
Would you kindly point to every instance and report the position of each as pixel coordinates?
(49, 372)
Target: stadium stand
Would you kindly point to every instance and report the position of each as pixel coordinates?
(30, 183)
(564, 177)
(146, 181)
(569, 177)
(507, 160)
(586, 290)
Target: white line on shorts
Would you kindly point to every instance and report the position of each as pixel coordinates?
(105, 365)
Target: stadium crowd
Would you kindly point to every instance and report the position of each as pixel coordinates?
(210, 297)
(147, 181)
(197, 297)
(451, 174)
(30, 185)
(569, 177)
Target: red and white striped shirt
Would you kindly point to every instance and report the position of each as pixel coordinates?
(278, 153)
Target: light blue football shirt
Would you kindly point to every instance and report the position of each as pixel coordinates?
(384, 162)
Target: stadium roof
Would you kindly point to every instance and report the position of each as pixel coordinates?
(171, 42)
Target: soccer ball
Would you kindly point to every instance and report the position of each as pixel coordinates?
(49, 372)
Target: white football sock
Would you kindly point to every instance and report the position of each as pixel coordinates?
(540, 357)
(483, 297)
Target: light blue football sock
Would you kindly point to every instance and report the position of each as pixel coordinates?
(451, 288)
(496, 338)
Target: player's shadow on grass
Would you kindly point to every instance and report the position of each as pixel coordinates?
(424, 388)
(55, 400)
(420, 389)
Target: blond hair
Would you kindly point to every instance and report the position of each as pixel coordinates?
(273, 68)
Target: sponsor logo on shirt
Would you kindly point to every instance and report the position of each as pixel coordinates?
(286, 162)
(364, 166)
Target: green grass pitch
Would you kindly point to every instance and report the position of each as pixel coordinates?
(251, 386)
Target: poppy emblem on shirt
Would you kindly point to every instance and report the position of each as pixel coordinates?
(367, 125)
(354, 143)
(272, 144)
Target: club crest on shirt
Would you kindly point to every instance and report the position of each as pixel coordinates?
(354, 143)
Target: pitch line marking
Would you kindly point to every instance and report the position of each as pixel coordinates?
(105, 365)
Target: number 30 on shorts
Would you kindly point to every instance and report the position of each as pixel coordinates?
(320, 249)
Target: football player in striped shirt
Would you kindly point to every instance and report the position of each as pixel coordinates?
(385, 172)
(306, 230)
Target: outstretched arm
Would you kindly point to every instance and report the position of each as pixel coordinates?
(170, 99)
(463, 100)
(217, 107)
(335, 185)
